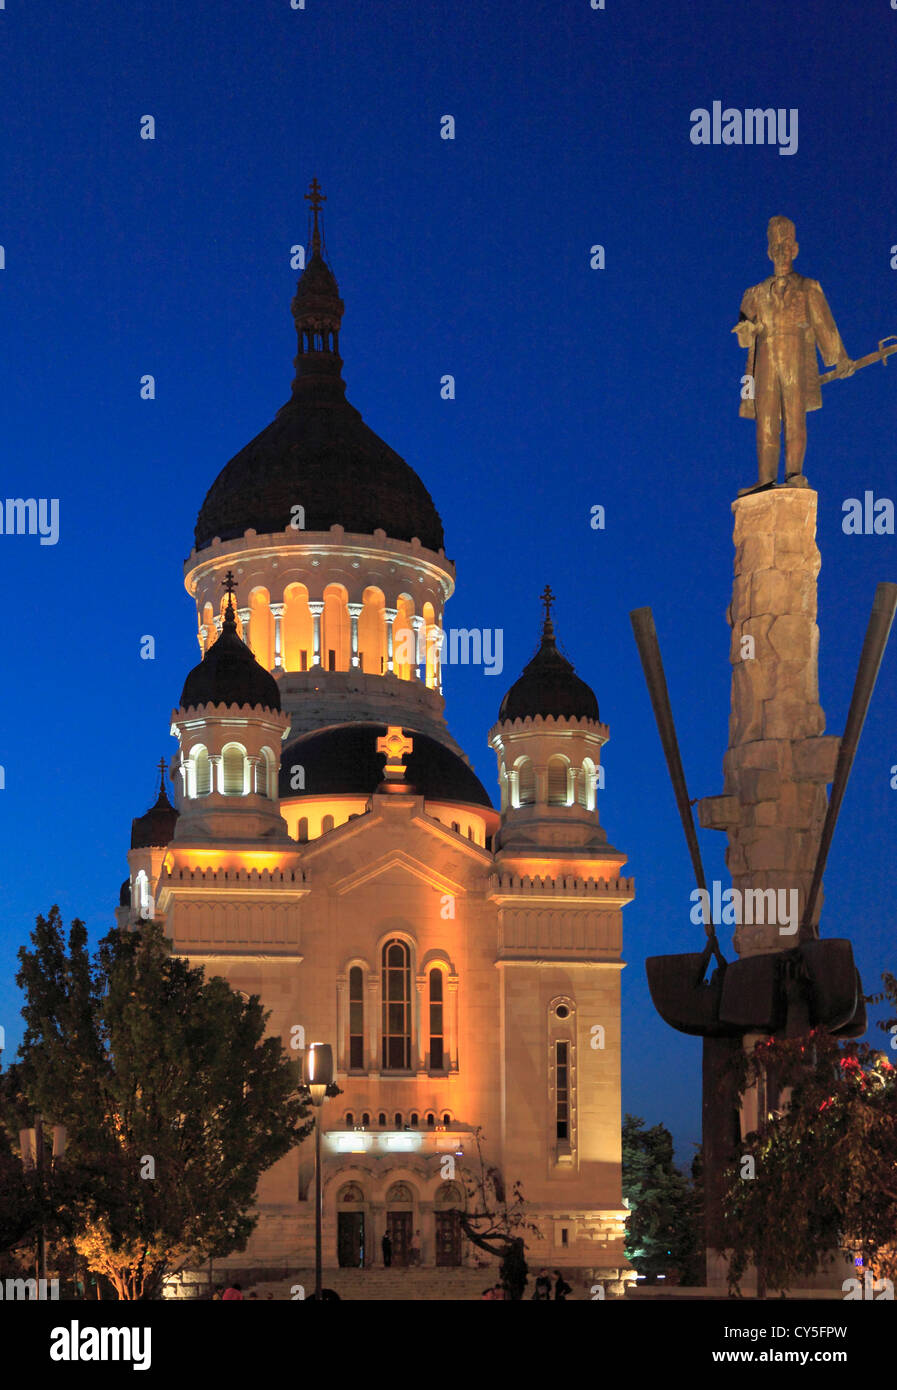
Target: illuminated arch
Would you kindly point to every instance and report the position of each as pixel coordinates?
(372, 632)
(297, 629)
(261, 627)
(403, 638)
(336, 633)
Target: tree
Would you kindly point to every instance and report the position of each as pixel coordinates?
(174, 1100)
(662, 1230)
(821, 1176)
(496, 1224)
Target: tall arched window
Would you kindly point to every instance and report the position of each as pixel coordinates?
(202, 772)
(557, 781)
(326, 824)
(396, 1000)
(437, 1027)
(302, 834)
(356, 1018)
(233, 775)
(267, 772)
(585, 785)
(526, 783)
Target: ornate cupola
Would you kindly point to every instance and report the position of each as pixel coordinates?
(317, 314)
(230, 727)
(548, 742)
(336, 545)
(151, 833)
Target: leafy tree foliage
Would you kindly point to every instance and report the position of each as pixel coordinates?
(173, 1098)
(662, 1230)
(825, 1163)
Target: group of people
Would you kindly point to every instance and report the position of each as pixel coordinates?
(232, 1293)
(498, 1292)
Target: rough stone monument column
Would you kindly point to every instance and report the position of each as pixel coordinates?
(778, 761)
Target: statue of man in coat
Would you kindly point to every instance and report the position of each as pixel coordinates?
(783, 321)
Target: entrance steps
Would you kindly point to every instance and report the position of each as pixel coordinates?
(379, 1285)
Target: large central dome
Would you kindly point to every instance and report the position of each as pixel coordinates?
(318, 453)
(326, 459)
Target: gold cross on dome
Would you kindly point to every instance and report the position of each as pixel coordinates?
(547, 598)
(394, 744)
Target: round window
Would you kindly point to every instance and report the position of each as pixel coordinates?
(562, 1011)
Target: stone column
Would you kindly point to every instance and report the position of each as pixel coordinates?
(244, 614)
(219, 624)
(203, 635)
(342, 1059)
(216, 773)
(778, 761)
(420, 655)
(277, 611)
(420, 1033)
(390, 614)
(355, 612)
(372, 1016)
(316, 608)
(438, 636)
(450, 1019)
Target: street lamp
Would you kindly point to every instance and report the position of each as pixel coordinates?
(318, 1076)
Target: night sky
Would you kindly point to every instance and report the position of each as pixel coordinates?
(576, 387)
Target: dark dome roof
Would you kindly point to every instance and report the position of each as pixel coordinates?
(343, 761)
(318, 452)
(124, 895)
(230, 675)
(152, 830)
(549, 685)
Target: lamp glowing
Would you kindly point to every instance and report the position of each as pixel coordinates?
(319, 1071)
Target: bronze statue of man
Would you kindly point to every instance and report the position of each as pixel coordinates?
(783, 321)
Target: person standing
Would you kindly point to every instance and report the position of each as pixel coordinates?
(386, 1247)
(561, 1288)
(232, 1293)
(415, 1248)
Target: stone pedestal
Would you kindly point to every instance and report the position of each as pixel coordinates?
(778, 760)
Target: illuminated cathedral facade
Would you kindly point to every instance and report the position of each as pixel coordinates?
(330, 849)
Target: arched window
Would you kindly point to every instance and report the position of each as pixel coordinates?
(398, 1119)
(350, 1118)
(326, 824)
(202, 772)
(396, 1002)
(526, 782)
(266, 775)
(142, 894)
(414, 1119)
(557, 781)
(431, 1119)
(585, 785)
(437, 1027)
(446, 1119)
(381, 1119)
(366, 1119)
(233, 770)
(356, 1018)
(302, 834)
(456, 827)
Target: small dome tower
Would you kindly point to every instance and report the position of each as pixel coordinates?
(230, 727)
(151, 833)
(548, 742)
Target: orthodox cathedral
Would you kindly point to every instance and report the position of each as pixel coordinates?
(331, 850)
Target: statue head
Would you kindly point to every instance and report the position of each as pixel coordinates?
(781, 243)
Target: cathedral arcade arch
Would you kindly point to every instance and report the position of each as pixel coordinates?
(298, 629)
(372, 632)
(261, 627)
(335, 636)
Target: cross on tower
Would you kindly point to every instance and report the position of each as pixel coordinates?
(547, 598)
(315, 198)
(394, 744)
(161, 775)
(230, 588)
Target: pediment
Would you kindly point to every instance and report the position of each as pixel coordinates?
(406, 865)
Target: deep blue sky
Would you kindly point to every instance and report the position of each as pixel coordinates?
(574, 386)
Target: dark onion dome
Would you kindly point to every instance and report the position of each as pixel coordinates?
(549, 685)
(230, 675)
(343, 761)
(152, 831)
(124, 896)
(317, 452)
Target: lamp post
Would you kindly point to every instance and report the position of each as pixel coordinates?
(318, 1076)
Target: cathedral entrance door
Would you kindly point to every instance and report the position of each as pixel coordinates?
(448, 1238)
(398, 1223)
(350, 1239)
